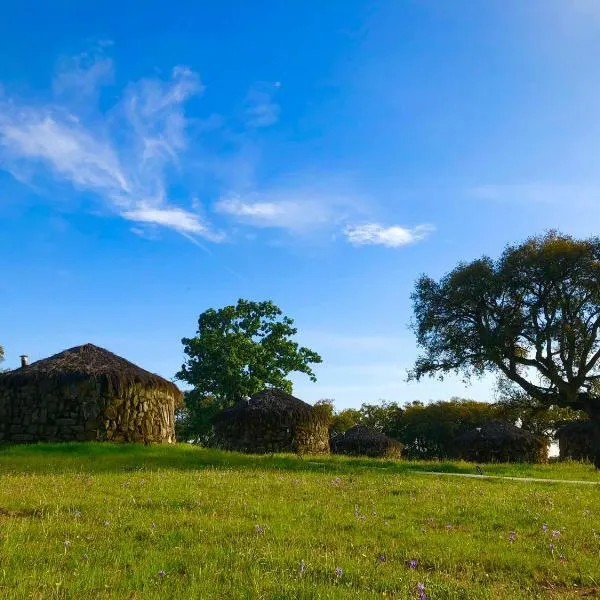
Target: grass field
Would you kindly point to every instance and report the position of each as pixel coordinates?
(101, 521)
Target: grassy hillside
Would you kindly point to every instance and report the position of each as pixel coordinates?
(106, 521)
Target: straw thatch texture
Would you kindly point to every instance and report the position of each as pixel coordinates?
(273, 421)
(86, 393)
(500, 441)
(363, 441)
(576, 441)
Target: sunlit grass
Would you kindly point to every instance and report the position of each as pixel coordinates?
(110, 521)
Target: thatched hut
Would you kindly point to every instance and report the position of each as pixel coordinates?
(273, 421)
(576, 441)
(86, 393)
(364, 441)
(500, 441)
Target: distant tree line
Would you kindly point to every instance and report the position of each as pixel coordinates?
(531, 317)
(429, 431)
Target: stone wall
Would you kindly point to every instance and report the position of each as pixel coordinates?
(261, 438)
(49, 410)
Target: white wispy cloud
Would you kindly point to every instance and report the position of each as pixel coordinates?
(294, 210)
(395, 236)
(123, 156)
(260, 108)
(83, 74)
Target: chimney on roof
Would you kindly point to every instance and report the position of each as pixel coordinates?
(24, 360)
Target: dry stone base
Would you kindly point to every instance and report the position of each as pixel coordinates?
(50, 411)
(258, 439)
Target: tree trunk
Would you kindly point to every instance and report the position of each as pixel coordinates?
(596, 440)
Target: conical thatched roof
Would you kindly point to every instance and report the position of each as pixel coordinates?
(364, 441)
(501, 441)
(576, 440)
(277, 401)
(88, 361)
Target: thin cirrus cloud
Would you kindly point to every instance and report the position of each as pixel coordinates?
(307, 211)
(129, 156)
(395, 236)
(260, 108)
(282, 210)
(122, 156)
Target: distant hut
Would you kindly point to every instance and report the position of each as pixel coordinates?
(363, 441)
(500, 441)
(273, 421)
(576, 441)
(86, 393)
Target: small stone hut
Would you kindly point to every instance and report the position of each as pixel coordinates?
(273, 421)
(501, 441)
(576, 441)
(86, 393)
(364, 441)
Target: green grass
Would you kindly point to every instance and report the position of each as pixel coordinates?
(106, 521)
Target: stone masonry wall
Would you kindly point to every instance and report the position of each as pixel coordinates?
(52, 411)
(260, 437)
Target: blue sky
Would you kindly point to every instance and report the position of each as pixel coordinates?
(161, 158)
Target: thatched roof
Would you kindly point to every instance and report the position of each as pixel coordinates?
(88, 361)
(502, 441)
(272, 405)
(496, 431)
(362, 440)
(575, 428)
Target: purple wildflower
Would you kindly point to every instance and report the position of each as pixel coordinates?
(412, 564)
(448, 527)
(66, 543)
(260, 529)
(555, 533)
(544, 527)
(421, 591)
(513, 536)
(552, 547)
(381, 558)
(161, 573)
(339, 572)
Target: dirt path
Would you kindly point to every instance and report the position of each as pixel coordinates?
(475, 476)
(526, 479)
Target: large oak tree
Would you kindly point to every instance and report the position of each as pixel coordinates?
(532, 315)
(239, 350)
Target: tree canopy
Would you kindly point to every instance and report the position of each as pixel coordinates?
(532, 315)
(239, 350)
(429, 431)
